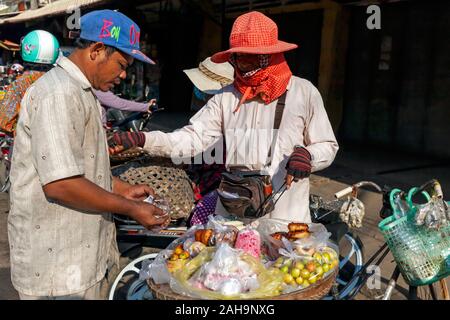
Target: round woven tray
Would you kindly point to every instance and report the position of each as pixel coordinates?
(128, 155)
(314, 292)
(169, 181)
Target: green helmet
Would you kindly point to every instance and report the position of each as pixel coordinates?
(40, 46)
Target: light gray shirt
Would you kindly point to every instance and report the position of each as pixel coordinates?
(248, 135)
(56, 250)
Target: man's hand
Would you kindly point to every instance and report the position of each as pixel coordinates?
(138, 192)
(150, 216)
(298, 165)
(121, 141)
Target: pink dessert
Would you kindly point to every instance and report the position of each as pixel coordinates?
(249, 241)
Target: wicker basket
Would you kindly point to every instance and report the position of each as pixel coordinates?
(168, 180)
(314, 292)
(131, 154)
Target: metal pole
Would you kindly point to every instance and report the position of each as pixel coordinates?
(224, 32)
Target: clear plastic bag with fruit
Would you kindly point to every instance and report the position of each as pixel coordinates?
(183, 249)
(226, 273)
(173, 258)
(302, 270)
(303, 252)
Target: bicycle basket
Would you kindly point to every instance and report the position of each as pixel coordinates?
(421, 254)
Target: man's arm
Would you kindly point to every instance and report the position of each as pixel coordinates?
(81, 194)
(110, 100)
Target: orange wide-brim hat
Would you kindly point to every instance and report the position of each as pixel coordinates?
(253, 33)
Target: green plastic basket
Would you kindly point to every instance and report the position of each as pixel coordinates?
(421, 254)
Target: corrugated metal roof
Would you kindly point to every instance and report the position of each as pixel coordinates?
(55, 8)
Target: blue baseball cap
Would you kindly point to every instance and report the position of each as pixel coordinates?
(113, 29)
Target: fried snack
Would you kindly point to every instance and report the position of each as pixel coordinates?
(198, 235)
(204, 236)
(295, 226)
(279, 235)
(295, 235)
(227, 236)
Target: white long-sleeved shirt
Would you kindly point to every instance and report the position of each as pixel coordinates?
(248, 136)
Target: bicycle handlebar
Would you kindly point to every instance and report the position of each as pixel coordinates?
(360, 184)
(343, 192)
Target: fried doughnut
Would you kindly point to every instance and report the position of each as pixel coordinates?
(198, 235)
(295, 226)
(207, 233)
(203, 236)
(294, 235)
(279, 235)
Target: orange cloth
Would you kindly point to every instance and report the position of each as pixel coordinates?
(10, 106)
(268, 83)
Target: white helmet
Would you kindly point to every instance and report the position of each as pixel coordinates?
(40, 46)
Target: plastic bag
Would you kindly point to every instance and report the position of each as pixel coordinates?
(352, 212)
(301, 271)
(157, 269)
(319, 236)
(433, 214)
(231, 273)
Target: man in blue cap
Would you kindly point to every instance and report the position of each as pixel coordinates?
(61, 232)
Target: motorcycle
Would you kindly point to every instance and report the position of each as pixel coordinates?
(6, 148)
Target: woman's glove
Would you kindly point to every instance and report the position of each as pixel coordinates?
(121, 141)
(298, 165)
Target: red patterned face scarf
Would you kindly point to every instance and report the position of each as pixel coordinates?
(268, 83)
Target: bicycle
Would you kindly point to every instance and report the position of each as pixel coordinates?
(361, 275)
(6, 149)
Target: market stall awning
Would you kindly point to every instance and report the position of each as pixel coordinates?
(52, 9)
(9, 45)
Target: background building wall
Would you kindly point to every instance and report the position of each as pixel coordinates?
(396, 92)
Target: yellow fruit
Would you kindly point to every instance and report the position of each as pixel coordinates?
(176, 265)
(288, 279)
(299, 280)
(326, 257)
(284, 269)
(288, 262)
(295, 272)
(174, 257)
(305, 283)
(305, 274)
(178, 250)
(318, 257)
(319, 270)
(334, 264)
(326, 267)
(299, 265)
(184, 255)
(279, 260)
(312, 279)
